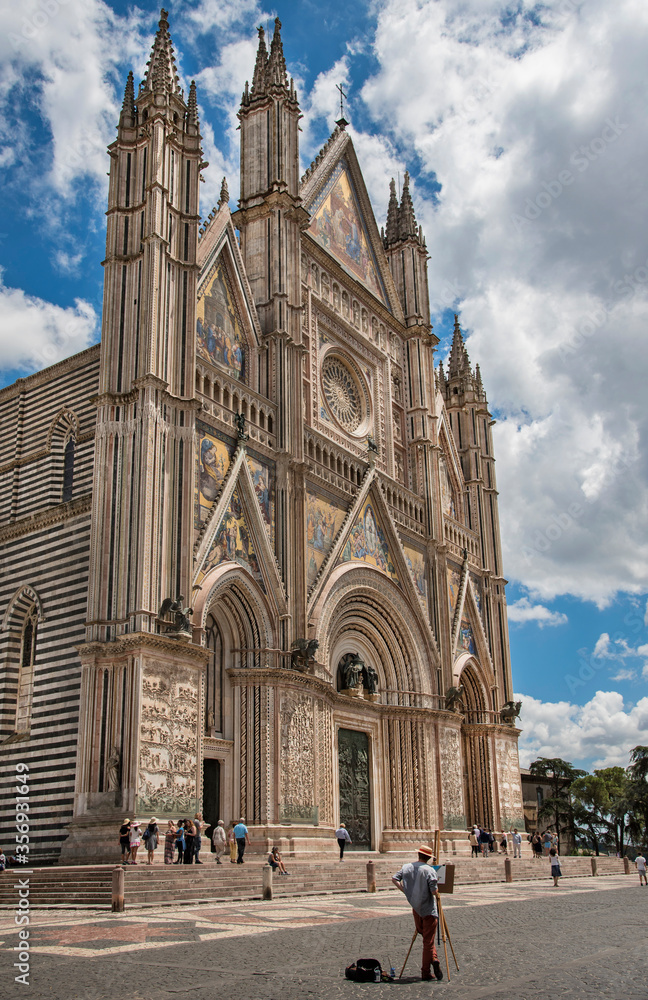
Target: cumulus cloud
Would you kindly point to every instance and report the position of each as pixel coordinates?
(534, 131)
(600, 733)
(35, 333)
(524, 611)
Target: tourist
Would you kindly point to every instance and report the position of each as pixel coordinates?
(546, 843)
(219, 840)
(504, 844)
(484, 842)
(198, 822)
(3, 860)
(151, 839)
(134, 836)
(517, 843)
(554, 841)
(556, 871)
(640, 863)
(180, 841)
(190, 838)
(474, 844)
(241, 835)
(169, 842)
(536, 844)
(275, 862)
(231, 840)
(343, 839)
(419, 883)
(124, 840)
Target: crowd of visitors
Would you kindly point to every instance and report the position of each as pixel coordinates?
(483, 842)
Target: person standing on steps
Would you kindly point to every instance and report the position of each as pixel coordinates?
(219, 840)
(231, 840)
(198, 822)
(124, 841)
(418, 881)
(343, 839)
(242, 838)
(517, 843)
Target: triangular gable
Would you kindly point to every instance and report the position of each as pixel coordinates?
(342, 219)
(471, 637)
(324, 518)
(227, 326)
(236, 532)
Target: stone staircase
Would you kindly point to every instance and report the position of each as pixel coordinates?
(164, 885)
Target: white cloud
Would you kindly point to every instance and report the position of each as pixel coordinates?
(600, 733)
(524, 611)
(624, 675)
(498, 107)
(35, 333)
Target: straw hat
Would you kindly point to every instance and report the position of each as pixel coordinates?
(427, 851)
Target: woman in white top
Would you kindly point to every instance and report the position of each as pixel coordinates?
(135, 839)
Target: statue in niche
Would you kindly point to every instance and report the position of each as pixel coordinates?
(113, 768)
(239, 420)
(370, 678)
(302, 655)
(510, 712)
(174, 617)
(454, 699)
(211, 719)
(351, 668)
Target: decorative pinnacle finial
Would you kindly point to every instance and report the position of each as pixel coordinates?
(224, 194)
(391, 232)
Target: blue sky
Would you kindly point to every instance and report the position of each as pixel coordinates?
(524, 129)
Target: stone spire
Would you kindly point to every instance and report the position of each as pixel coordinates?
(224, 194)
(458, 360)
(162, 75)
(276, 74)
(479, 385)
(441, 379)
(261, 67)
(192, 106)
(127, 117)
(391, 234)
(406, 219)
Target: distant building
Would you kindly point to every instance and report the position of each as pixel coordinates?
(250, 543)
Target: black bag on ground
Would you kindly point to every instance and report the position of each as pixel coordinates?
(365, 970)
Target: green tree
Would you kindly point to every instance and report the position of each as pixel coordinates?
(558, 806)
(599, 802)
(637, 794)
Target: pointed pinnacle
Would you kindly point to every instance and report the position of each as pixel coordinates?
(391, 233)
(261, 66)
(192, 106)
(128, 107)
(406, 219)
(161, 75)
(277, 75)
(224, 194)
(458, 354)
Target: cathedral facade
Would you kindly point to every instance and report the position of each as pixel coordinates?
(250, 542)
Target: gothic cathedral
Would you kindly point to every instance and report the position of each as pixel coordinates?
(251, 549)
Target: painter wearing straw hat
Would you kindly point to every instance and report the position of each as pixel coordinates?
(419, 883)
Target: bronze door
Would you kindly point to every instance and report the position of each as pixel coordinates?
(355, 797)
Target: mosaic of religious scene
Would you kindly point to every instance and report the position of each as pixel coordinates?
(476, 589)
(337, 224)
(454, 582)
(219, 335)
(416, 562)
(263, 478)
(367, 543)
(233, 543)
(323, 521)
(466, 638)
(447, 494)
(213, 462)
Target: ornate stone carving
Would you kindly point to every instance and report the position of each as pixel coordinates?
(297, 752)
(510, 789)
(168, 740)
(451, 778)
(342, 393)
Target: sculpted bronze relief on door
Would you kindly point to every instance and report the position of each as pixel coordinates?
(355, 787)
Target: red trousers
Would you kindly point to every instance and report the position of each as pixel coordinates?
(426, 926)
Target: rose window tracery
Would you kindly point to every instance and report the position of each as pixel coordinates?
(342, 394)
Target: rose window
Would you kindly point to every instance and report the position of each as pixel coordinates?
(342, 394)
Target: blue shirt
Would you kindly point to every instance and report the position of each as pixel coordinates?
(240, 831)
(419, 881)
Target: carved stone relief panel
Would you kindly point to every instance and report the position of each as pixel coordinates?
(324, 762)
(297, 759)
(169, 740)
(510, 789)
(454, 817)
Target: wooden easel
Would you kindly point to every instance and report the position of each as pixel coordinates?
(443, 927)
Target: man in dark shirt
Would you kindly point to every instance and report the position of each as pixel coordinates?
(419, 883)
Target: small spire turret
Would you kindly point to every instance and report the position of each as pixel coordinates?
(276, 74)
(260, 67)
(406, 219)
(192, 106)
(162, 75)
(127, 116)
(391, 234)
(224, 194)
(458, 360)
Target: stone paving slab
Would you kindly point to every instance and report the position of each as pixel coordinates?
(524, 941)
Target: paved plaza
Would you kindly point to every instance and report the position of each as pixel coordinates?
(525, 941)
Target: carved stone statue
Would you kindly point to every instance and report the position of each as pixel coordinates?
(112, 769)
(239, 420)
(371, 445)
(303, 652)
(454, 699)
(180, 623)
(351, 668)
(371, 679)
(510, 711)
(211, 719)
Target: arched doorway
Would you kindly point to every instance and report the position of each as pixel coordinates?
(476, 750)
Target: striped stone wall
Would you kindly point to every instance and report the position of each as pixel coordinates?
(44, 560)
